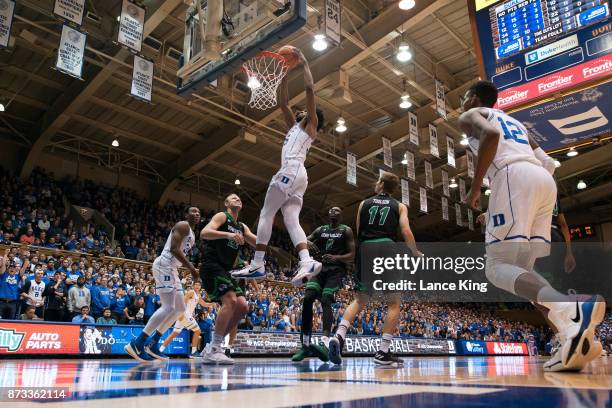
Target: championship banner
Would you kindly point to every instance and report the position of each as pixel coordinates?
(70, 10)
(275, 343)
(142, 79)
(470, 216)
(445, 209)
(445, 186)
(7, 8)
(470, 164)
(433, 141)
(71, 52)
(410, 172)
(462, 192)
(38, 338)
(440, 99)
(450, 151)
(413, 129)
(405, 192)
(131, 26)
(333, 21)
(387, 154)
(428, 175)
(458, 214)
(423, 198)
(351, 169)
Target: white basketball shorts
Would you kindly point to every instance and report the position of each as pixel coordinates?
(188, 323)
(521, 204)
(166, 275)
(291, 179)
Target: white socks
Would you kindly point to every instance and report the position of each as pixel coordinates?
(304, 255)
(386, 342)
(342, 328)
(259, 257)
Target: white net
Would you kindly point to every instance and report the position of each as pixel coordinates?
(264, 73)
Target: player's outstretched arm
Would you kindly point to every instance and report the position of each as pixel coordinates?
(311, 105)
(284, 103)
(179, 232)
(474, 123)
(211, 230)
(406, 231)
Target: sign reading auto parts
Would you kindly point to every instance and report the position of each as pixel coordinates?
(31, 338)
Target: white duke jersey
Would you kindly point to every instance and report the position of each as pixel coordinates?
(296, 144)
(513, 144)
(191, 304)
(186, 246)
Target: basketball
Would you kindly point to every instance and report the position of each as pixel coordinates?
(291, 55)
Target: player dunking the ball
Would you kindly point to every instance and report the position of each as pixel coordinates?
(521, 203)
(168, 285)
(379, 219)
(286, 190)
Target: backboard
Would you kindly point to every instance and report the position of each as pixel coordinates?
(239, 30)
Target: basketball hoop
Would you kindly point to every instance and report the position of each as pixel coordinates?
(265, 71)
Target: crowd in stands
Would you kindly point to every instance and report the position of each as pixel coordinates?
(78, 288)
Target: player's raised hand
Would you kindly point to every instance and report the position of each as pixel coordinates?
(301, 58)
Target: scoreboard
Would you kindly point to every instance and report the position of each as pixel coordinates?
(531, 48)
(518, 25)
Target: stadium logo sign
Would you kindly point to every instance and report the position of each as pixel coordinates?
(506, 348)
(11, 339)
(556, 82)
(474, 347)
(513, 97)
(601, 68)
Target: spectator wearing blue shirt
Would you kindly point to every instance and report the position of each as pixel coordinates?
(72, 244)
(152, 302)
(10, 277)
(118, 305)
(100, 298)
(73, 274)
(84, 317)
(206, 327)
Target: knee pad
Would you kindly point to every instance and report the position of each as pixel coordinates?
(503, 275)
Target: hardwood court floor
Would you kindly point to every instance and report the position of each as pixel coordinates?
(423, 381)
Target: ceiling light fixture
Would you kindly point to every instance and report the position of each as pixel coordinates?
(406, 4)
(237, 181)
(464, 140)
(341, 125)
(319, 43)
(572, 152)
(115, 143)
(403, 52)
(453, 183)
(581, 185)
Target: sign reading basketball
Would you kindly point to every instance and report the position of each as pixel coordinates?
(7, 7)
(28, 338)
